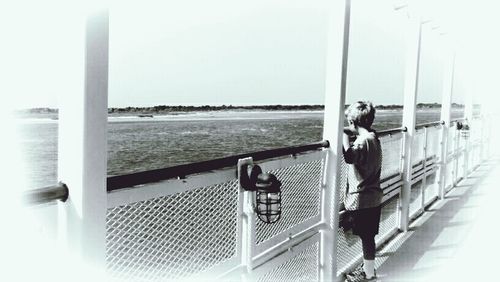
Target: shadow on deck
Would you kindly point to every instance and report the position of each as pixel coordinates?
(455, 239)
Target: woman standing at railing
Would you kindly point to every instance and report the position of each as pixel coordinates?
(363, 194)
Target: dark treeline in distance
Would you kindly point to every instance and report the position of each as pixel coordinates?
(206, 108)
(170, 109)
(419, 106)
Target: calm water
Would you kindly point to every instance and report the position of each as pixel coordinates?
(138, 144)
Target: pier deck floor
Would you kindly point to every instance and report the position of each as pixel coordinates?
(455, 240)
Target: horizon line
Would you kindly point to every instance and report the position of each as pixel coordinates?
(237, 106)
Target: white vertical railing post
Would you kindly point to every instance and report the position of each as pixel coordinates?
(485, 140)
(446, 119)
(83, 150)
(456, 137)
(488, 135)
(424, 177)
(409, 115)
(468, 113)
(482, 138)
(335, 90)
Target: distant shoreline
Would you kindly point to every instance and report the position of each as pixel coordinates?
(164, 109)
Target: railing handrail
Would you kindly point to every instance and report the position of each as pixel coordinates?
(46, 195)
(429, 124)
(457, 120)
(181, 171)
(385, 132)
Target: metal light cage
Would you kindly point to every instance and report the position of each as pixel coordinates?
(267, 190)
(268, 205)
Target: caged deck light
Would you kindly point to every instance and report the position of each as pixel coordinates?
(267, 190)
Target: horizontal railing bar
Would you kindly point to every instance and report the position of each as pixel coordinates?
(46, 195)
(284, 235)
(417, 171)
(168, 187)
(395, 191)
(289, 243)
(430, 171)
(181, 171)
(390, 190)
(420, 174)
(388, 195)
(429, 124)
(394, 186)
(457, 120)
(391, 131)
(416, 214)
(431, 158)
(389, 180)
(430, 202)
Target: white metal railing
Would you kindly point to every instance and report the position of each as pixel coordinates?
(174, 229)
(204, 225)
(302, 179)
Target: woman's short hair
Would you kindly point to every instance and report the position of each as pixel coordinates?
(361, 113)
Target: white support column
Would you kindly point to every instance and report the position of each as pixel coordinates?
(83, 151)
(446, 119)
(335, 90)
(409, 115)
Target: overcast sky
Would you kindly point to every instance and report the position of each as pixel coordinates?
(261, 52)
(195, 52)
